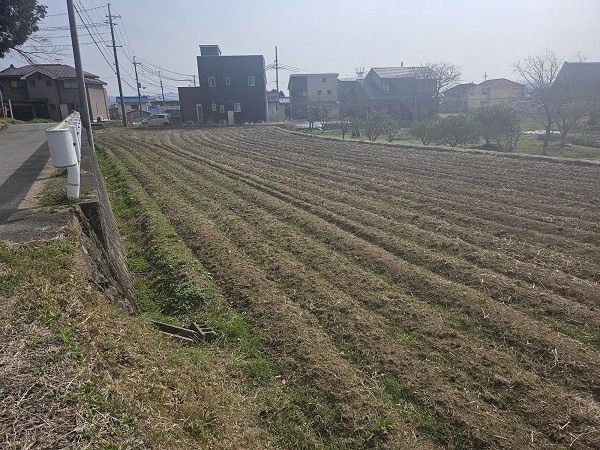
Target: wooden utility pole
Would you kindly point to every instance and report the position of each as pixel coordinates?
(114, 46)
(137, 82)
(85, 110)
(162, 91)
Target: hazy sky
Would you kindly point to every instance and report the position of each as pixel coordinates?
(480, 36)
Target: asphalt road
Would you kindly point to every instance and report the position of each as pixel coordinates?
(23, 154)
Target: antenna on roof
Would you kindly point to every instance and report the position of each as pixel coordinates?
(360, 72)
(485, 77)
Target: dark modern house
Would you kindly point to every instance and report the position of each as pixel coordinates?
(49, 91)
(232, 89)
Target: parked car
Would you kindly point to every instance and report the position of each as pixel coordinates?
(156, 120)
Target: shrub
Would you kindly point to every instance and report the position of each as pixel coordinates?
(499, 124)
(584, 141)
(459, 129)
(425, 131)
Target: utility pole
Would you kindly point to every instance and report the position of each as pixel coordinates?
(85, 113)
(276, 71)
(277, 85)
(137, 81)
(162, 91)
(114, 46)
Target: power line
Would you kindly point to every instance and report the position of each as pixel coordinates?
(97, 46)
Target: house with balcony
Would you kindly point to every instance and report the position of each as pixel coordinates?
(498, 91)
(50, 91)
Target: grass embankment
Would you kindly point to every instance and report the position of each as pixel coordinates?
(54, 395)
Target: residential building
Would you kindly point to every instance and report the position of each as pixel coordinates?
(132, 106)
(581, 79)
(232, 88)
(456, 99)
(190, 103)
(50, 91)
(278, 106)
(133, 102)
(406, 93)
(498, 91)
(317, 90)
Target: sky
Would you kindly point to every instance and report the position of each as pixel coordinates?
(482, 37)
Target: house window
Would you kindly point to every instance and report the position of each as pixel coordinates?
(386, 89)
(319, 92)
(222, 109)
(31, 83)
(212, 82)
(71, 106)
(485, 92)
(49, 83)
(17, 84)
(52, 107)
(227, 81)
(328, 91)
(251, 81)
(237, 107)
(214, 106)
(471, 92)
(39, 76)
(70, 84)
(324, 80)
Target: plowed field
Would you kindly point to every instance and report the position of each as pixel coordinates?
(440, 299)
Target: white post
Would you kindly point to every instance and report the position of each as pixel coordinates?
(64, 143)
(11, 112)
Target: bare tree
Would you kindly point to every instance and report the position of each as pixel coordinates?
(345, 122)
(325, 115)
(539, 73)
(569, 112)
(447, 74)
(314, 115)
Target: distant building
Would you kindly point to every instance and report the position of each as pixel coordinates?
(581, 79)
(132, 103)
(232, 89)
(132, 106)
(456, 99)
(190, 103)
(498, 91)
(406, 93)
(313, 90)
(278, 107)
(50, 91)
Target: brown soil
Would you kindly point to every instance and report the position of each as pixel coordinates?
(455, 293)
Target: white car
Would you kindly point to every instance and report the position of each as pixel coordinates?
(156, 120)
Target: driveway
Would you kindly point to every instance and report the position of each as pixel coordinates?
(23, 155)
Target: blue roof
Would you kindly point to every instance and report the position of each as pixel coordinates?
(136, 99)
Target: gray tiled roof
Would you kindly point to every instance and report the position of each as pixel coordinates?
(403, 72)
(52, 70)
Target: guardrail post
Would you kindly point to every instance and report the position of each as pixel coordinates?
(64, 142)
